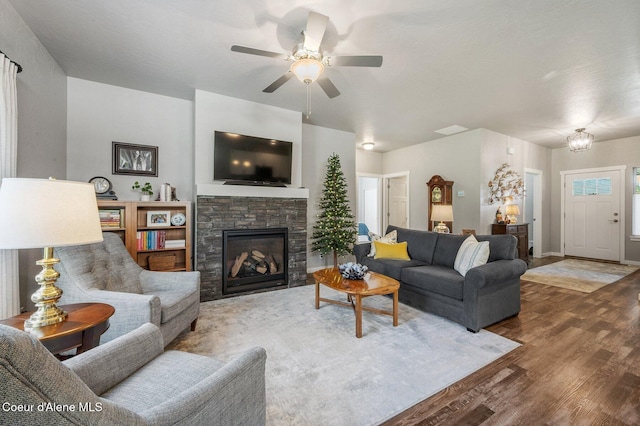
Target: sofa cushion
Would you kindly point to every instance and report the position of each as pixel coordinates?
(420, 244)
(391, 251)
(390, 238)
(471, 254)
(390, 267)
(501, 246)
(434, 278)
(447, 248)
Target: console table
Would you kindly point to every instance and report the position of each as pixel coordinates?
(520, 231)
(85, 323)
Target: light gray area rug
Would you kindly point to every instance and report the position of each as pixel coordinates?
(585, 276)
(319, 373)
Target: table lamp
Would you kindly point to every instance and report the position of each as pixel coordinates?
(442, 213)
(512, 211)
(47, 213)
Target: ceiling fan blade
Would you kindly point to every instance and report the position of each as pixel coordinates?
(279, 82)
(328, 87)
(316, 26)
(252, 51)
(355, 61)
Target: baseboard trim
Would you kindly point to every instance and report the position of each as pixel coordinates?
(552, 253)
(631, 262)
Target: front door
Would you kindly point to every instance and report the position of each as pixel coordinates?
(592, 214)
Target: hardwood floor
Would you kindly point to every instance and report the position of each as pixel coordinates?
(579, 363)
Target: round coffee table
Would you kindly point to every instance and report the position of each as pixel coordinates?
(85, 323)
(373, 284)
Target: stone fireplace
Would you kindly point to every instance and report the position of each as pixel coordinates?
(254, 220)
(254, 259)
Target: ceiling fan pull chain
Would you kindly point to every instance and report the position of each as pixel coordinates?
(308, 100)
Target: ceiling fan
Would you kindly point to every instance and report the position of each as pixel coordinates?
(308, 62)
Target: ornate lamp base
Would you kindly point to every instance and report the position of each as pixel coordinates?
(442, 228)
(47, 295)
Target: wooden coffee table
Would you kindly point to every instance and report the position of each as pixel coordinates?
(373, 284)
(85, 323)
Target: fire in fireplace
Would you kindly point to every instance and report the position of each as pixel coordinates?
(254, 259)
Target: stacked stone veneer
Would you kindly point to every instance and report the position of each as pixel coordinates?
(217, 213)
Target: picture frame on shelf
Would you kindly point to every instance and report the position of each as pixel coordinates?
(158, 218)
(134, 160)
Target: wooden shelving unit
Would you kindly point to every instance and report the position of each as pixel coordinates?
(133, 223)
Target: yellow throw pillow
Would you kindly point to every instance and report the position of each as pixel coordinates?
(391, 251)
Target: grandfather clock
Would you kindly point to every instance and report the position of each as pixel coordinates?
(440, 192)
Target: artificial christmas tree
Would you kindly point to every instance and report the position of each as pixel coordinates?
(335, 230)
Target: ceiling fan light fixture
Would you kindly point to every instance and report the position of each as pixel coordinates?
(580, 140)
(307, 70)
(368, 146)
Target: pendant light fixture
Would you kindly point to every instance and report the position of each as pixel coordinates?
(580, 140)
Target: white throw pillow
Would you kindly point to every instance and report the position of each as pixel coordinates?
(471, 254)
(390, 238)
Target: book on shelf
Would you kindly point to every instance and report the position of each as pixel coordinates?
(151, 240)
(110, 218)
(175, 244)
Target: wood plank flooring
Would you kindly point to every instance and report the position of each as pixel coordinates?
(579, 364)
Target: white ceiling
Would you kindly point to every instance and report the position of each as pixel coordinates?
(532, 69)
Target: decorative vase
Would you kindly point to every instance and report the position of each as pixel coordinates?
(145, 197)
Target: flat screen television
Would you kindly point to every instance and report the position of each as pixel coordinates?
(249, 160)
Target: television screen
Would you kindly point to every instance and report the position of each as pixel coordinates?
(252, 160)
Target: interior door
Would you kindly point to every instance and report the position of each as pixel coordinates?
(592, 215)
(397, 213)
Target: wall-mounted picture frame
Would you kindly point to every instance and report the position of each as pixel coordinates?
(136, 160)
(158, 218)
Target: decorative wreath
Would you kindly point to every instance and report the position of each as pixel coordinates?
(506, 185)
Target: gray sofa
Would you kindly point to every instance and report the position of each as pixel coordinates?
(486, 295)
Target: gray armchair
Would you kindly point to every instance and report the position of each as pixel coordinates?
(128, 381)
(105, 272)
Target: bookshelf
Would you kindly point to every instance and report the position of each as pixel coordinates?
(146, 230)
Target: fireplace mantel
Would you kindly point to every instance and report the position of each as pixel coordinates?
(219, 190)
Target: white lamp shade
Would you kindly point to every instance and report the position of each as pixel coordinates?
(307, 70)
(442, 213)
(38, 213)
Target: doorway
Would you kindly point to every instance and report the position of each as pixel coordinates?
(532, 206)
(397, 200)
(369, 202)
(592, 212)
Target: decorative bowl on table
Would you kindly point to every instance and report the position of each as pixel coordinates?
(353, 271)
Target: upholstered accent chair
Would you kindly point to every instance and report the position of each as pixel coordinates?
(105, 272)
(128, 381)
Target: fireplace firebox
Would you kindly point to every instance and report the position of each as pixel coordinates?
(254, 259)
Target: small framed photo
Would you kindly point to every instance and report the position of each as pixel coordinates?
(158, 218)
(137, 160)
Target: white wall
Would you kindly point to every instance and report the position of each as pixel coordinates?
(455, 158)
(318, 144)
(619, 152)
(99, 114)
(42, 124)
(369, 162)
(223, 113)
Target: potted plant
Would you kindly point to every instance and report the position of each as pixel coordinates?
(146, 191)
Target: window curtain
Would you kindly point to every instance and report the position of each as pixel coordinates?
(9, 282)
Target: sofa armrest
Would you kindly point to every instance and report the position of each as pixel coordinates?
(132, 309)
(151, 281)
(105, 366)
(234, 394)
(495, 272)
(361, 250)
